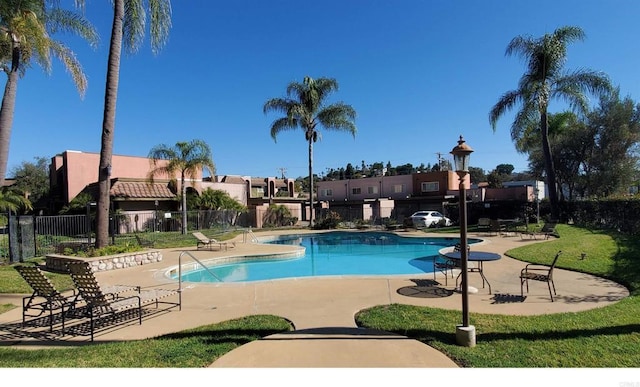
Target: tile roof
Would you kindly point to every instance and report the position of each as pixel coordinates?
(233, 179)
(141, 190)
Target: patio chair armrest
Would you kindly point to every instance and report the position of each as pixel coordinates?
(535, 267)
(111, 296)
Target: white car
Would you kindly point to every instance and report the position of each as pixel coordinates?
(422, 219)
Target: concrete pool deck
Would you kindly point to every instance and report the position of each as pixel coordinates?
(322, 310)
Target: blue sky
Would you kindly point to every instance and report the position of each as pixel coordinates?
(418, 72)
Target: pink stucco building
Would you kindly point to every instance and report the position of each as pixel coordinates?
(435, 184)
(73, 172)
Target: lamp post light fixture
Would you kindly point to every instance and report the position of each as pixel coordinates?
(465, 333)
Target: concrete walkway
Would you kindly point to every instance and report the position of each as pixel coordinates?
(323, 309)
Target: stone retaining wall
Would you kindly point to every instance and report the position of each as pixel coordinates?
(56, 262)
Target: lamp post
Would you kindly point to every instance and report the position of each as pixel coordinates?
(465, 333)
(89, 204)
(155, 217)
(537, 191)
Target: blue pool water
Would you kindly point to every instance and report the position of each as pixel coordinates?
(336, 254)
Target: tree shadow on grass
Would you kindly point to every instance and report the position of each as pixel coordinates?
(626, 267)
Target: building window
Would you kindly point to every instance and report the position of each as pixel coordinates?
(356, 191)
(398, 188)
(372, 190)
(430, 186)
(257, 192)
(327, 192)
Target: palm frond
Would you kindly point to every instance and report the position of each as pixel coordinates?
(12, 200)
(61, 20)
(504, 104)
(528, 116)
(35, 41)
(324, 87)
(133, 26)
(339, 116)
(521, 46)
(283, 124)
(160, 11)
(71, 63)
(279, 105)
(569, 34)
(593, 82)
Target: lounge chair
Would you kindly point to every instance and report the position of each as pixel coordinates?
(100, 303)
(204, 241)
(547, 230)
(144, 242)
(45, 297)
(496, 227)
(537, 272)
(484, 225)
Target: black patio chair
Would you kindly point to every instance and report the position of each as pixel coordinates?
(538, 272)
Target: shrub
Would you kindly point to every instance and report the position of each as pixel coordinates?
(330, 221)
(107, 250)
(278, 216)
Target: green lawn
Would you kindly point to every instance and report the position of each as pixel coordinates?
(603, 337)
(187, 349)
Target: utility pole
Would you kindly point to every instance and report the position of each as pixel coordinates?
(439, 160)
(282, 172)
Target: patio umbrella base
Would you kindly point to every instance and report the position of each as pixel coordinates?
(471, 290)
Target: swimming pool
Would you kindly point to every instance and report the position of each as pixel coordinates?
(339, 253)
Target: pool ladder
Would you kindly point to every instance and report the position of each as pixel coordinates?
(250, 234)
(180, 271)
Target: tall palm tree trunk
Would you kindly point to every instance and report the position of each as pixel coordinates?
(6, 112)
(311, 182)
(108, 125)
(549, 167)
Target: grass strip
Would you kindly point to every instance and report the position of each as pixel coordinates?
(191, 348)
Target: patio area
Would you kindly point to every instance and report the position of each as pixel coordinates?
(323, 309)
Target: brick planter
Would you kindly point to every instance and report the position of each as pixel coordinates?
(57, 262)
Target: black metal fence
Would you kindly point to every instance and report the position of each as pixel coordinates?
(31, 236)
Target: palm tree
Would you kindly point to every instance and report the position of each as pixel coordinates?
(187, 158)
(128, 28)
(216, 199)
(544, 80)
(12, 200)
(26, 29)
(304, 108)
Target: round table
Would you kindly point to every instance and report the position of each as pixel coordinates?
(475, 256)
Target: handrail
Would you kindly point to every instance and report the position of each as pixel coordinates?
(180, 271)
(246, 232)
